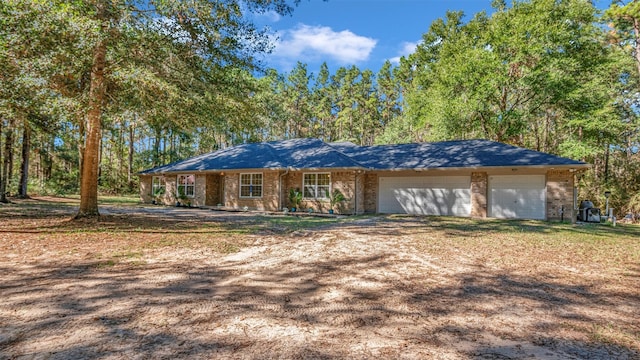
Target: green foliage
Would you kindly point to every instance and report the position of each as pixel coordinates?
(634, 204)
(544, 74)
(336, 197)
(182, 196)
(500, 77)
(62, 183)
(159, 192)
(295, 198)
(175, 66)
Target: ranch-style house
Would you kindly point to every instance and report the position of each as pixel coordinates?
(469, 178)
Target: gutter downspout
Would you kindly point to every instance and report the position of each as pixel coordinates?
(280, 186)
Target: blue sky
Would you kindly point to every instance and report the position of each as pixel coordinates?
(364, 33)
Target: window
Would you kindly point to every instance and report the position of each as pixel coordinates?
(157, 186)
(316, 185)
(250, 185)
(186, 185)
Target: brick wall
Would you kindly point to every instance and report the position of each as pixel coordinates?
(345, 181)
(559, 194)
(268, 201)
(479, 186)
(360, 178)
(145, 189)
(213, 184)
(231, 190)
(370, 193)
(200, 191)
(170, 195)
(342, 180)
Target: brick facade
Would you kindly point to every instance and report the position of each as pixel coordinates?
(360, 179)
(270, 192)
(360, 190)
(213, 189)
(479, 187)
(345, 181)
(170, 195)
(559, 194)
(145, 189)
(200, 192)
(370, 193)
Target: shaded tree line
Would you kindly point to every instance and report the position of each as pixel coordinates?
(179, 79)
(96, 67)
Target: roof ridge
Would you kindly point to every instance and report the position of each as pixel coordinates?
(314, 153)
(275, 154)
(345, 155)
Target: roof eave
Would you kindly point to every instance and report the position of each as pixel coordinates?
(172, 172)
(459, 168)
(342, 168)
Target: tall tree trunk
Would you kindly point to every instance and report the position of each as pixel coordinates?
(163, 152)
(24, 169)
(172, 146)
(81, 143)
(10, 155)
(606, 165)
(90, 161)
(101, 156)
(1, 158)
(6, 163)
(636, 33)
(130, 162)
(47, 161)
(120, 157)
(156, 147)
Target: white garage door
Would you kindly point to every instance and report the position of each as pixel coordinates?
(425, 195)
(517, 197)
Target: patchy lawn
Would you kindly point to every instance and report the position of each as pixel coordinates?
(159, 282)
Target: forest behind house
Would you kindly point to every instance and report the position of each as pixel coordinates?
(92, 92)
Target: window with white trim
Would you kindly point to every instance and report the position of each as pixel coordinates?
(251, 185)
(316, 186)
(186, 185)
(158, 186)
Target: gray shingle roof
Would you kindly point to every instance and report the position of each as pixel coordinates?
(450, 154)
(294, 153)
(311, 154)
(316, 154)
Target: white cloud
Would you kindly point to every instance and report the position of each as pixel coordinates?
(270, 16)
(305, 43)
(406, 49)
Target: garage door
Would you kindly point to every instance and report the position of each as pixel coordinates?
(425, 195)
(517, 197)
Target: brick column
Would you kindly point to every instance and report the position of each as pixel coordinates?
(559, 194)
(479, 185)
(371, 193)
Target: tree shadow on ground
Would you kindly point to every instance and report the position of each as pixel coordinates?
(327, 305)
(145, 218)
(306, 309)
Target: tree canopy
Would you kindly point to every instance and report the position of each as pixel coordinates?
(95, 91)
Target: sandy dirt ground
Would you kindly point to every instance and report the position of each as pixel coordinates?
(375, 287)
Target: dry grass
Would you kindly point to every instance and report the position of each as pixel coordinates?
(152, 282)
